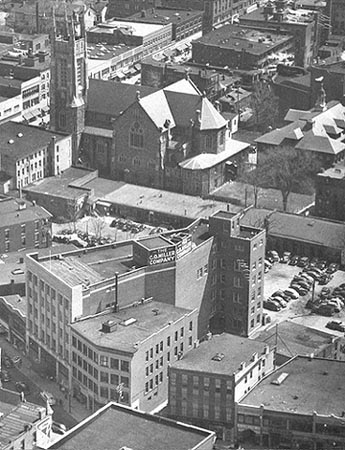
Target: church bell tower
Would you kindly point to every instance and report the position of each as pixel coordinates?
(69, 80)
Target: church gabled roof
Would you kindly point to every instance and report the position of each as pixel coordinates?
(157, 108)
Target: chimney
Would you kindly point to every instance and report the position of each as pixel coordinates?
(198, 116)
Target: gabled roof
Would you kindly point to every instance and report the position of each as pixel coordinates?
(183, 86)
(183, 106)
(111, 98)
(210, 118)
(276, 137)
(320, 143)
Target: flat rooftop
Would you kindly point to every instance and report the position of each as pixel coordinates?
(18, 211)
(104, 51)
(16, 415)
(16, 302)
(155, 242)
(148, 319)
(312, 384)
(117, 426)
(235, 349)
(295, 339)
(165, 15)
(240, 38)
(127, 27)
(169, 203)
(296, 17)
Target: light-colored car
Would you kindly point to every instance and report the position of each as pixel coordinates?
(292, 293)
(48, 397)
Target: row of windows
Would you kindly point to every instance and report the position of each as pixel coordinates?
(149, 385)
(160, 347)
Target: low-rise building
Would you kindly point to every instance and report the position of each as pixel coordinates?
(124, 356)
(301, 235)
(319, 131)
(300, 405)
(239, 47)
(184, 22)
(23, 424)
(121, 427)
(291, 339)
(23, 225)
(29, 154)
(207, 382)
(330, 193)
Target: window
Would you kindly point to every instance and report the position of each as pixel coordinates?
(104, 361)
(104, 377)
(125, 366)
(168, 341)
(190, 326)
(136, 136)
(114, 379)
(199, 273)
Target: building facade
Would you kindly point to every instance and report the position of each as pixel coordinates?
(23, 226)
(206, 383)
(330, 194)
(29, 153)
(136, 374)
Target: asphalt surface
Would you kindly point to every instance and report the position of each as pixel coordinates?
(279, 277)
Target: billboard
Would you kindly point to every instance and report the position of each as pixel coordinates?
(162, 255)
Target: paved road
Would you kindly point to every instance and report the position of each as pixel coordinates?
(38, 383)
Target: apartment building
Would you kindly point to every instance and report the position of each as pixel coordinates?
(206, 383)
(29, 154)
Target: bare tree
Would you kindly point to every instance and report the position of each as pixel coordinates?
(256, 179)
(289, 170)
(265, 106)
(97, 225)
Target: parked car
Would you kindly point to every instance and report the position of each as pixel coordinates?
(314, 275)
(48, 397)
(22, 387)
(271, 306)
(303, 261)
(59, 428)
(325, 278)
(304, 284)
(282, 294)
(268, 265)
(280, 301)
(336, 325)
(294, 260)
(273, 255)
(325, 291)
(324, 310)
(17, 271)
(292, 293)
(322, 264)
(333, 267)
(286, 257)
(306, 277)
(302, 291)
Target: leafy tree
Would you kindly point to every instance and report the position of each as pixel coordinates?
(288, 170)
(265, 106)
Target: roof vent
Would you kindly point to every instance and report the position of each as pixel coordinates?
(128, 322)
(11, 141)
(218, 357)
(20, 135)
(280, 378)
(109, 326)
(155, 311)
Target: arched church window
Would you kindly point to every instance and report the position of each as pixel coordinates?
(136, 135)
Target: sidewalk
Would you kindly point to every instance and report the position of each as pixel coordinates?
(78, 411)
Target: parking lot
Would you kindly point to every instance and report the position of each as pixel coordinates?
(279, 277)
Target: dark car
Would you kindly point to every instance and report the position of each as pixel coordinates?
(325, 278)
(333, 267)
(325, 310)
(294, 260)
(281, 294)
(299, 288)
(271, 306)
(322, 264)
(336, 325)
(303, 261)
(304, 284)
(22, 387)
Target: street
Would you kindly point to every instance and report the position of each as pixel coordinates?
(38, 383)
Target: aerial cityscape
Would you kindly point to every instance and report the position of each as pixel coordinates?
(172, 224)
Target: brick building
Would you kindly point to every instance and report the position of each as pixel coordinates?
(239, 47)
(206, 383)
(124, 356)
(29, 153)
(330, 194)
(301, 24)
(184, 22)
(336, 10)
(23, 225)
(295, 406)
(215, 268)
(13, 319)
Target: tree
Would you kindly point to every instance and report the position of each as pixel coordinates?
(255, 177)
(289, 170)
(265, 106)
(98, 224)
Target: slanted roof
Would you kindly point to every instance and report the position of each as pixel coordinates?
(210, 118)
(320, 144)
(276, 137)
(157, 108)
(112, 98)
(183, 114)
(208, 160)
(183, 86)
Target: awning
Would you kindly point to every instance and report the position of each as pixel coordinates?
(120, 75)
(137, 67)
(45, 108)
(126, 71)
(28, 116)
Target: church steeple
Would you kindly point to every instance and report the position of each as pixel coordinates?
(69, 80)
